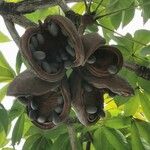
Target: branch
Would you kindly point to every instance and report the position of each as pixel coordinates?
(72, 135)
(12, 30)
(20, 20)
(28, 6)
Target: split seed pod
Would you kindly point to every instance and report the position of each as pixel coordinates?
(51, 47)
(87, 101)
(47, 104)
(102, 60)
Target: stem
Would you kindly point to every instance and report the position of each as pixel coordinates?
(12, 30)
(88, 145)
(63, 5)
(129, 39)
(72, 135)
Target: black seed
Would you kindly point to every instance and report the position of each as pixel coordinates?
(40, 38)
(70, 50)
(58, 109)
(53, 29)
(91, 60)
(112, 69)
(54, 67)
(34, 41)
(60, 100)
(56, 119)
(50, 118)
(39, 55)
(91, 109)
(64, 33)
(41, 119)
(87, 87)
(67, 64)
(33, 115)
(63, 55)
(31, 47)
(70, 43)
(91, 116)
(34, 105)
(47, 67)
(58, 59)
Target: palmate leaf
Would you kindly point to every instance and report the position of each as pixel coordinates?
(3, 91)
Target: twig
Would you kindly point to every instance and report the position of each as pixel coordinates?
(63, 5)
(20, 20)
(12, 30)
(72, 135)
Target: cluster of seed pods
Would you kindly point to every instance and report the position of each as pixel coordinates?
(50, 50)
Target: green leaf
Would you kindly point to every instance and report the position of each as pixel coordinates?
(18, 62)
(131, 107)
(3, 38)
(144, 129)
(3, 91)
(62, 144)
(127, 16)
(141, 36)
(4, 121)
(145, 103)
(18, 130)
(136, 141)
(78, 7)
(145, 51)
(3, 137)
(118, 122)
(16, 109)
(116, 138)
(100, 141)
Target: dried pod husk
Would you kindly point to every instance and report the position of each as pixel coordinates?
(51, 47)
(47, 104)
(114, 83)
(102, 60)
(91, 43)
(88, 104)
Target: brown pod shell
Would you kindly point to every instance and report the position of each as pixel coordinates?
(106, 56)
(81, 99)
(49, 101)
(28, 87)
(27, 83)
(91, 43)
(114, 83)
(69, 29)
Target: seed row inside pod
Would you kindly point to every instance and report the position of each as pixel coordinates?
(36, 110)
(51, 48)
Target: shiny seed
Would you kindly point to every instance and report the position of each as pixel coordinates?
(50, 118)
(60, 100)
(70, 43)
(56, 120)
(91, 116)
(63, 56)
(70, 50)
(39, 55)
(54, 67)
(64, 32)
(47, 67)
(33, 115)
(34, 105)
(91, 109)
(58, 109)
(34, 41)
(40, 38)
(31, 47)
(67, 64)
(91, 60)
(112, 69)
(87, 87)
(41, 119)
(58, 58)
(53, 29)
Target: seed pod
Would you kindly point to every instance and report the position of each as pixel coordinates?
(48, 39)
(34, 90)
(105, 56)
(115, 83)
(88, 106)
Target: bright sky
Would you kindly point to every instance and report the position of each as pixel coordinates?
(10, 49)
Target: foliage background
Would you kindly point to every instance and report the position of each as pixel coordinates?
(126, 125)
